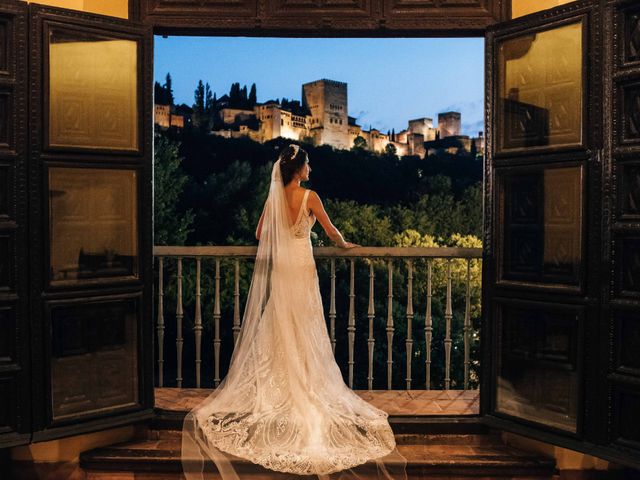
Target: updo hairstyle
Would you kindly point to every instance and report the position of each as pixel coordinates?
(292, 159)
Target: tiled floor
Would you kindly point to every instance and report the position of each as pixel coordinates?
(394, 402)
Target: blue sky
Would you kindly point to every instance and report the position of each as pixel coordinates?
(390, 80)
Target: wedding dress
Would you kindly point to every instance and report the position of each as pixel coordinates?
(284, 404)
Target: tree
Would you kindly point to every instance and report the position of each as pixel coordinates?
(390, 150)
(253, 98)
(235, 97)
(198, 94)
(199, 113)
(473, 150)
(170, 227)
(203, 107)
(208, 100)
(243, 97)
(308, 139)
(158, 94)
(168, 89)
(359, 143)
(364, 224)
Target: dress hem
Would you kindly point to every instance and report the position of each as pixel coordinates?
(265, 462)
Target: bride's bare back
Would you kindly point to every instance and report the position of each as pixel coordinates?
(294, 194)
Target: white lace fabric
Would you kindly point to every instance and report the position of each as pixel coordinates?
(284, 404)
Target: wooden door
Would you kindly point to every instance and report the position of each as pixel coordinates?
(90, 218)
(561, 323)
(15, 404)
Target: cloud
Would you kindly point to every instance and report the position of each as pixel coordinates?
(360, 114)
(472, 128)
(465, 106)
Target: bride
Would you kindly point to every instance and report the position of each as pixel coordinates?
(283, 404)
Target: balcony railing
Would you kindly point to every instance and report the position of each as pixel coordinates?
(424, 260)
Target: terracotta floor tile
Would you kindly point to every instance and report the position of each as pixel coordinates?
(394, 402)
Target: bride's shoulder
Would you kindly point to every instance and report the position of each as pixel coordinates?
(312, 195)
(313, 201)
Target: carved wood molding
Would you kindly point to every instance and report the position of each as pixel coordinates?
(322, 17)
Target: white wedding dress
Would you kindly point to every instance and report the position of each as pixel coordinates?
(284, 404)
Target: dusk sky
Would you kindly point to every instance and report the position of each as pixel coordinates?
(390, 80)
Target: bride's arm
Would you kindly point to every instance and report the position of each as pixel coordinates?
(315, 205)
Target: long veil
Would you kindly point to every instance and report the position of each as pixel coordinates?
(283, 403)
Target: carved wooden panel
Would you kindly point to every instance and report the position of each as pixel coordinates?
(523, 124)
(321, 16)
(7, 335)
(522, 255)
(410, 13)
(628, 190)
(627, 264)
(542, 225)
(8, 398)
(14, 367)
(627, 341)
(93, 232)
(93, 84)
(541, 89)
(307, 7)
(538, 365)
(5, 191)
(94, 357)
(562, 222)
(625, 428)
(4, 45)
(6, 118)
(6, 261)
(632, 36)
(522, 227)
(221, 7)
(630, 113)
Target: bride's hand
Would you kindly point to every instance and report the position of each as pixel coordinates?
(350, 245)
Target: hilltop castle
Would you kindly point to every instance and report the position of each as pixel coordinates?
(322, 118)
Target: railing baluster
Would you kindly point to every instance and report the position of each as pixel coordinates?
(216, 328)
(409, 342)
(179, 315)
(332, 307)
(160, 327)
(390, 328)
(197, 327)
(447, 336)
(428, 329)
(467, 326)
(370, 315)
(351, 325)
(236, 303)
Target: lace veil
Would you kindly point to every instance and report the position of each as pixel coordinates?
(273, 399)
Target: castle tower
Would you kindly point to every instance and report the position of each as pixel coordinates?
(449, 124)
(327, 102)
(423, 126)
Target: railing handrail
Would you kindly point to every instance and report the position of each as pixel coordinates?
(321, 252)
